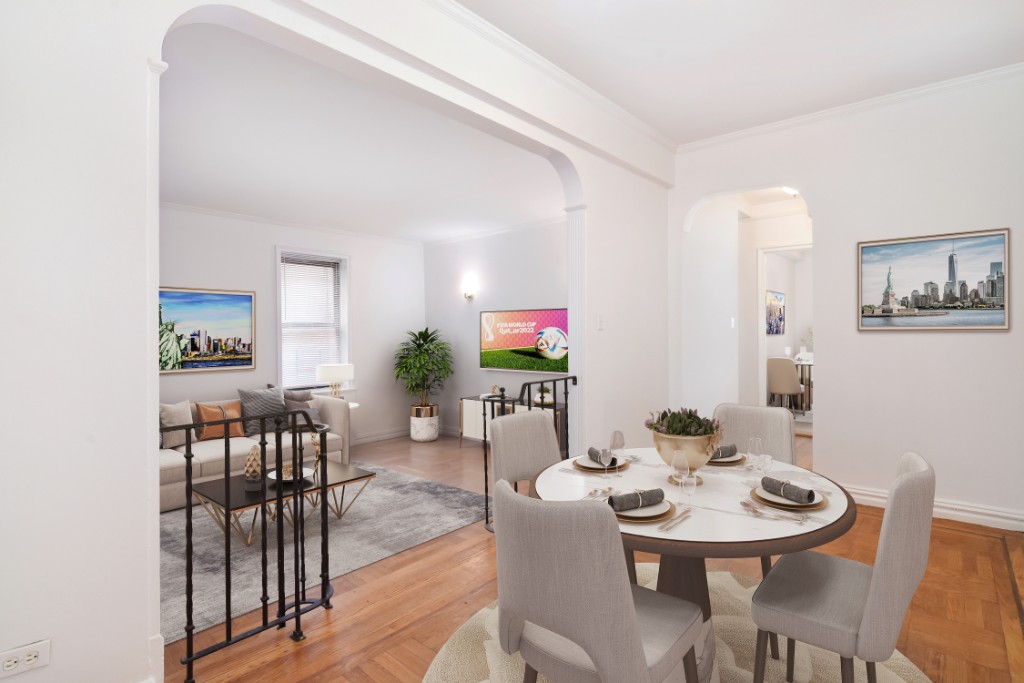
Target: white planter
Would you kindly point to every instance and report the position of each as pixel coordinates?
(424, 428)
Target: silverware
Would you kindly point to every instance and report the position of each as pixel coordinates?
(772, 513)
(677, 516)
(677, 520)
(597, 493)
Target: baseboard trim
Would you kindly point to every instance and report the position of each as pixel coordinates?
(156, 658)
(999, 518)
(380, 436)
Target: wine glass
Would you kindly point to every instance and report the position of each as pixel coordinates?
(689, 486)
(765, 465)
(680, 471)
(605, 458)
(753, 453)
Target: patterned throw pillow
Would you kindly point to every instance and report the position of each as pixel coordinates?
(208, 412)
(260, 402)
(173, 414)
(294, 395)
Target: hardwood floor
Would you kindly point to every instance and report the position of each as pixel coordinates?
(966, 622)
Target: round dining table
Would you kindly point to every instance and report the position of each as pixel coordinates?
(718, 525)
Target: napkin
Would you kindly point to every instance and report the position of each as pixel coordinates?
(788, 491)
(723, 452)
(636, 499)
(595, 456)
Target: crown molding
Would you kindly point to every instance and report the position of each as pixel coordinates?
(971, 80)
(502, 40)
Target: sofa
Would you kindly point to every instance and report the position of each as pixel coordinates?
(208, 456)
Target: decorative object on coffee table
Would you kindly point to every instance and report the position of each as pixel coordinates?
(253, 473)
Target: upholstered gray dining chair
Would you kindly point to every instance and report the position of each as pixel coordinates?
(523, 444)
(783, 379)
(773, 425)
(845, 606)
(565, 603)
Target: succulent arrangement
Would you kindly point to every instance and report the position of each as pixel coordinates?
(682, 422)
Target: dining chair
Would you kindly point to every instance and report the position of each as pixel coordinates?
(848, 607)
(783, 379)
(523, 444)
(566, 605)
(774, 426)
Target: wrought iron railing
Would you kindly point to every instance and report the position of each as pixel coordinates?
(502, 405)
(280, 424)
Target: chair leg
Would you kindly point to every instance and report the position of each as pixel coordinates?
(759, 655)
(846, 669)
(530, 675)
(773, 640)
(630, 565)
(790, 658)
(690, 665)
(872, 676)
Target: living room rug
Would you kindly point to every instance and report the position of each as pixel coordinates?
(472, 654)
(396, 512)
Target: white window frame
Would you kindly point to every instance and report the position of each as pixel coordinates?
(345, 354)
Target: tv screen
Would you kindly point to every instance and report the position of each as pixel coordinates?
(535, 341)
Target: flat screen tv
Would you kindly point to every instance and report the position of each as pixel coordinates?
(534, 341)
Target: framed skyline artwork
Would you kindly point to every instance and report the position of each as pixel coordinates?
(775, 312)
(206, 329)
(958, 281)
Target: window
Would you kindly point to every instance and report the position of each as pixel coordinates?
(314, 315)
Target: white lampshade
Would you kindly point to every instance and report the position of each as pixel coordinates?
(334, 373)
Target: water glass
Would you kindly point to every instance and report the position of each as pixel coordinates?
(689, 486)
(765, 466)
(753, 453)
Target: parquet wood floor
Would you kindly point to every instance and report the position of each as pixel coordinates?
(966, 622)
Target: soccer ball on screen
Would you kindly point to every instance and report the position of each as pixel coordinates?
(551, 343)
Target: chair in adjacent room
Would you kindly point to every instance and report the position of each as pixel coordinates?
(784, 380)
(845, 606)
(566, 604)
(523, 444)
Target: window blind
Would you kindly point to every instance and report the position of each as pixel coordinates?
(314, 318)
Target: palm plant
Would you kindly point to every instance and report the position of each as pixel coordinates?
(423, 361)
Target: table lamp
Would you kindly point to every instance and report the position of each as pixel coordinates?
(334, 374)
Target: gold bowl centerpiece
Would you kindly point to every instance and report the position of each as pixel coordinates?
(684, 430)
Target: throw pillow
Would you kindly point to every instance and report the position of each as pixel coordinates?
(314, 414)
(260, 402)
(208, 412)
(171, 415)
(293, 395)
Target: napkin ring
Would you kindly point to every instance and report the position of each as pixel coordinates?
(639, 499)
(782, 489)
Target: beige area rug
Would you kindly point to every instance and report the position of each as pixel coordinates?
(473, 654)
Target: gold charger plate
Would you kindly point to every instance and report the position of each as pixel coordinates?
(586, 468)
(650, 520)
(732, 463)
(795, 507)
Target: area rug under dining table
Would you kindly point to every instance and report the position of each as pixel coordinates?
(396, 512)
(473, 653)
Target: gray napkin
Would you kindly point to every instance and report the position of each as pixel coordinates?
(788, 491)
(595, 455)
(636, 499)
(723, 452)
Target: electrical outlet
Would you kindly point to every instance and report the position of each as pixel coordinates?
(24, 658)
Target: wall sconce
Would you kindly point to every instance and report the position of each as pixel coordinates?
(470, 285)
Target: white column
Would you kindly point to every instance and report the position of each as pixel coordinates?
(577, 280)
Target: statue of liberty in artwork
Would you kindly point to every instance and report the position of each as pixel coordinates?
(888, 280)
(171, 344)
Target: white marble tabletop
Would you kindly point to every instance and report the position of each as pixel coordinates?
(716, 515)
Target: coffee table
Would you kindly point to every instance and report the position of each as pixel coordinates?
(212, 496)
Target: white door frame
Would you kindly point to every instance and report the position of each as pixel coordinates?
(762, 338)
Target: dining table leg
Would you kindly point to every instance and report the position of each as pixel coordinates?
(687, 578)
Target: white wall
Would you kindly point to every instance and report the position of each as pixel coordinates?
(520, 269)
(207, 251)
(779, 276)
(945, 160)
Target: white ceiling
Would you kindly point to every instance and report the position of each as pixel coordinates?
(694, 70)
(250, 129)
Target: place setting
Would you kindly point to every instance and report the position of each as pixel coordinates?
(646, 507)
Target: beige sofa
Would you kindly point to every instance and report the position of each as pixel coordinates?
(208, 456)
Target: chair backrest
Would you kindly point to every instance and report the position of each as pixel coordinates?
(901, 558)
(561, 567)
(523, 444)
(783, 377)
(773, 425)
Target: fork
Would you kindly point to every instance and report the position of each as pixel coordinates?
(755, 510)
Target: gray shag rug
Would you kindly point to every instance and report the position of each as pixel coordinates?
(395, 512)
(473, 655)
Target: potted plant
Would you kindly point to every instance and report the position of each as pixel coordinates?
(684, 430)
(543, 396)
(423, 361)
